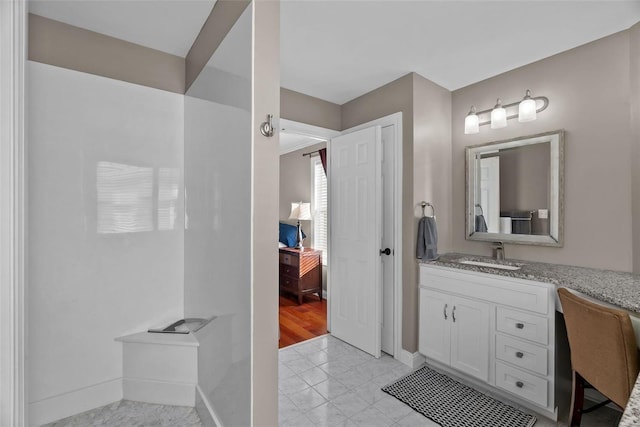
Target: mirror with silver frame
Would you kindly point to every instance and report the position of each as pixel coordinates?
(514, 190)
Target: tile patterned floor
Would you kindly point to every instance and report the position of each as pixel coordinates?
(323, 382)
(133, 414)
(326, 382)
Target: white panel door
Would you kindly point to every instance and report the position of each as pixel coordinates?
(355, 215)
(490, 192)
(388, 237)
(470, 337)
(434, 333)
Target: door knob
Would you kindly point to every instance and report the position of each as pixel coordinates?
(385, 251)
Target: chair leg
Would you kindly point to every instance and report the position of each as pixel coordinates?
(577, 400)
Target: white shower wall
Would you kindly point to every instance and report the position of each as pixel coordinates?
(218, 173)
(106, 236)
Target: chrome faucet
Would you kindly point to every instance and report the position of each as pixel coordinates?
(499, 251)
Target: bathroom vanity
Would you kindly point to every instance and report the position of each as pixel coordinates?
(498, 327)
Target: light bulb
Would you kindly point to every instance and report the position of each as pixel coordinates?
(527, 108)
(498, 116)
(471, 122)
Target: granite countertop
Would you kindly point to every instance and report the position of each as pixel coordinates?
(614, 287)
(631, 415)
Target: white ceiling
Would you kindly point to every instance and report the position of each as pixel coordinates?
(167, 25)
(339, 50)
(290, 142)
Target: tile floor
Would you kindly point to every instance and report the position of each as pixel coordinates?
(133, 414)
(326, 382)
(323, 382)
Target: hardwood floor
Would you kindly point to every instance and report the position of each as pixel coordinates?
(301, 322)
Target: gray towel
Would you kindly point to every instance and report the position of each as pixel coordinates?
(481, 224)
(427, 247)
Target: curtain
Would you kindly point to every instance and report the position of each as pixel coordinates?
(323, 158)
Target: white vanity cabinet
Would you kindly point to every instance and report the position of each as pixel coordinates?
(496, 331)
(455, 331)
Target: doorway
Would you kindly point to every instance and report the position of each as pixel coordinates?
(377, 304)
(303, 310)
(390, 301)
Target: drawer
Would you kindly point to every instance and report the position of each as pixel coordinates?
(288, 283)
(527, 386)
(289, 270)
(523, 325)
(289, 259)
(523, 354)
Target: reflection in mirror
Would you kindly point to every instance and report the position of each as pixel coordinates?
(514, 190)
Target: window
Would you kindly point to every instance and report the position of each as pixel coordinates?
(319, 207)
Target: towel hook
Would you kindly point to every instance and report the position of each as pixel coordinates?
(423, 205)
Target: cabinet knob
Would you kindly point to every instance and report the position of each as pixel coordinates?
(519, 354)
(519, 384)
(519, 325)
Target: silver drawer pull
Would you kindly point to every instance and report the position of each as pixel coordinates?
(519, 384)
(444, 312)
(519, 325)
(453, 314)
(519, 354)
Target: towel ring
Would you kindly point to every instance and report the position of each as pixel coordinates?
(424, 205)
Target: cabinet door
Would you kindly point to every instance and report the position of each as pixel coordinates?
(435, 325)
(470, 337)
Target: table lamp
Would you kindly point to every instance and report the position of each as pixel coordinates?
(301, 212)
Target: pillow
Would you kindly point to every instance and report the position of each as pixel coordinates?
(288, 234)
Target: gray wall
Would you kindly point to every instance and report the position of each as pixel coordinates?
(431, 181)
(634, 38)
(388, 99)
(303, 108)
(426, 156)
(588, 88)
(524, 177)
(63, 45)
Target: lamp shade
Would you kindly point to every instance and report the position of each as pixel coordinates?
(471, 122)
(527, 108)
(498, 116)
(300, 211)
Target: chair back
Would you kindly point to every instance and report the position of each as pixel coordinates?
(603, 346)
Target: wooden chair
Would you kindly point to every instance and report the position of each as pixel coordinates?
(604, 354)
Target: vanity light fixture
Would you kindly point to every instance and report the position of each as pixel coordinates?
(525, 110)
(471, 122)
(498, 116)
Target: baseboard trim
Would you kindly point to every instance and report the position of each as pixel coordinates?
(159, 392)
(205, 410)
(74, 402)
(412, 360)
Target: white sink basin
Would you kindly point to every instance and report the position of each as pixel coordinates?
(490, 265)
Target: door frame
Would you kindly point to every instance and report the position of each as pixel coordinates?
(13, 55)
(395, 120)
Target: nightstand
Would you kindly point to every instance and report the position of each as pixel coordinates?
(301, 272)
